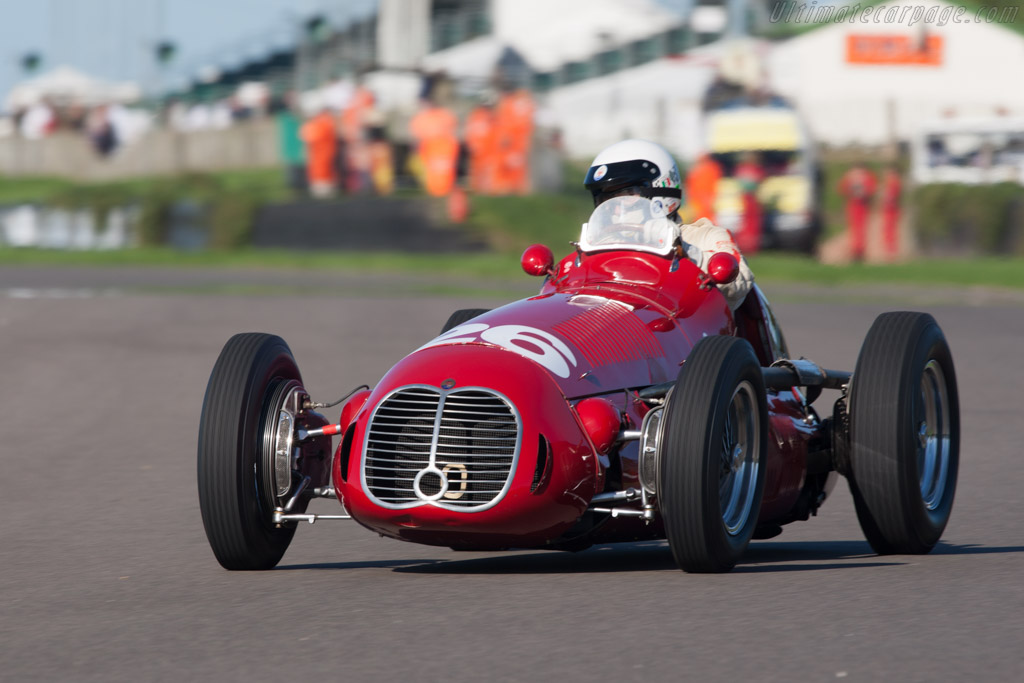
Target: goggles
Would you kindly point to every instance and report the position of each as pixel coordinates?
(638, 191)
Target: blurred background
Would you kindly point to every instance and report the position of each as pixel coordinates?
(467, 125)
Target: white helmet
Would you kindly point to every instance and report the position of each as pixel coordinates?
(635, 167)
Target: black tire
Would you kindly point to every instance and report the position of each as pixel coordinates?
(716, 407)
(237, 509)
(461, 316)
(808, 243)
(904, 434)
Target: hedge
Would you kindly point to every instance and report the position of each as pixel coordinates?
(987, 219)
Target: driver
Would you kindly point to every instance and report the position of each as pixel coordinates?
(645, 169)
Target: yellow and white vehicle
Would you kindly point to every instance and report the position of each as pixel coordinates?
(790, 192)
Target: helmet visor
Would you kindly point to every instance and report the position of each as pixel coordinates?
(619, 175)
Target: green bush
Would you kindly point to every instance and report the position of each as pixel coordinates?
(154, 219)
(513, 223)
(230, 219)
(986, 219)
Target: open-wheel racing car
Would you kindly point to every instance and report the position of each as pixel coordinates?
(624, 402)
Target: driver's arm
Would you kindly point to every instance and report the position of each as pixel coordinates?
(705, 239)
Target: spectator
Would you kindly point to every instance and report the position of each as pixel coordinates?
(220, 115)
(290, 142)
(546, 171)
(38, 121)
(749, 174)
(176, 116)
(199, 117)
(434, 130)
(514, 131)
(337, 94)
(238, 110)
(356, 155)
(75, 118)
(129, 124)
(857, 187)
(382, 162)
(101, 132)
(892, 188)
(321, 148)
(481, 142)
(702, 187)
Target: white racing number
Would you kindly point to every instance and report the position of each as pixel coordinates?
(539, 346)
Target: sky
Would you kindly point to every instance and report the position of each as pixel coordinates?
(114, 39)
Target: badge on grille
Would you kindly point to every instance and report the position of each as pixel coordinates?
(448, 383)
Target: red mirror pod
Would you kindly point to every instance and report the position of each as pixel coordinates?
(538, 260)
(723, 268)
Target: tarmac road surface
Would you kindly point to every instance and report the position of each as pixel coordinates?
(107, 576)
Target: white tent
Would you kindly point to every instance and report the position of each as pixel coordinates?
(65, 85)
(873, 82)
(547, 35)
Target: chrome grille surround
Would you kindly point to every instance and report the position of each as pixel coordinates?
(455, 449)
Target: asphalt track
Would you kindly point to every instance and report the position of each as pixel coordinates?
(106, 574)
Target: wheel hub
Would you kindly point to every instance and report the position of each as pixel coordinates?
(933, 451)
(279, 449)
(737, 458)
(740, 459)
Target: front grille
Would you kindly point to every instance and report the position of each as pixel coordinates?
(421, 437)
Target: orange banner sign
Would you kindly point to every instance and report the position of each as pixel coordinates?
(894, 49)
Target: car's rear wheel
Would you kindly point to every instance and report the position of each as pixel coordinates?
(462, 316)
(252, 380)
(904, 434)
(711, 465)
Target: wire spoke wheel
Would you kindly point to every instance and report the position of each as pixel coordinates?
(238, 488)
(710, 469)
(933, 451)
(741, 459)
(904, 434)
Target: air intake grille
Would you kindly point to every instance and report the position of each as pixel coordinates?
(610, 334)
(454, 449)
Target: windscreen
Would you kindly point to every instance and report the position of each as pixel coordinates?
(630, 222)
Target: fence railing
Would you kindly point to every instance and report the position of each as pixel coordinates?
(247, 144)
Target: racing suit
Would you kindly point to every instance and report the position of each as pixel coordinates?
(702, 239)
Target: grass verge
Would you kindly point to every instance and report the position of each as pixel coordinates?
(768, 267)
(509, 224)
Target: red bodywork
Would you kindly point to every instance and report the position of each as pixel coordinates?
(604, 325)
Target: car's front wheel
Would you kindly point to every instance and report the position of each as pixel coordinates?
(711, 468)
(238, 486)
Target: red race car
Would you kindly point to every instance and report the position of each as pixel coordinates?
(626, 401)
